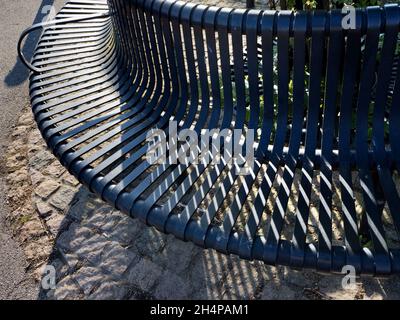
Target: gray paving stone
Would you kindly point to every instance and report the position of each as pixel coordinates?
(172, 287)
(112, 218)
(92, 248)
(36, 177)
(126, 231)
(300, 278)
(273, 291)
(63, 198)
(177, 255)
(67, 289)
(72, 238)
(61, 268)
(56, 223)
(41, 160)
(47, 188)
(43, 208)
(70, 259)
(116, 259)
(110, 290)
(81, 209)
(69, 179)
(150, 243)
(243, 280)
(55, 170)
(144, 274)
(88, 278)
(208, 272)
(95, 220)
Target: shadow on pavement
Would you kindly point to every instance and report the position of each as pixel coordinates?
(100, 253)
(19, 72)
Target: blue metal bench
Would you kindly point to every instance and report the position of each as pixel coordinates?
(325, 102)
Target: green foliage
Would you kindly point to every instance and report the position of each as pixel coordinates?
(310, 4)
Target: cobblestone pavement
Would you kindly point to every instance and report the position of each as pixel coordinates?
(99, 253)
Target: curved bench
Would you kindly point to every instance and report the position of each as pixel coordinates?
(323, 101)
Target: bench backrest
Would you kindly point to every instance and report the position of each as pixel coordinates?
(306, 81)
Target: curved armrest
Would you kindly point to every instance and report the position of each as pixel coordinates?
(47, 24)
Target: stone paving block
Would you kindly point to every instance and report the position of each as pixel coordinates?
(30, 226)
(111, 216)
(56, 223)
(103, 218)
(109, 290)
(41, 160)
(63, 198)
(126, 231)
(172, 287)
(150, 242)
(274, 291)
(33, 149)
(88, 278)
(70, 259)
(55, 169)
(81, 209)
(73, 237)
(116, 259)
(332, 287)
(61, 268)
(208, 272)
(36, 177)
(67, 288)
(47, 188)
(35, 136)
(93, 253)
(177, 255)
(91, 249)
(70, 179)
(38, 249)
(43, 208)
(206, 293)
(243, 280)
(144, 274)
(95, 220)
(300, 278)
(25, 120)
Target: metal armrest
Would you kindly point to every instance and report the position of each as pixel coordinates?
(48, 24)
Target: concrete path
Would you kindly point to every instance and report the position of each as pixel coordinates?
(15, 16)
